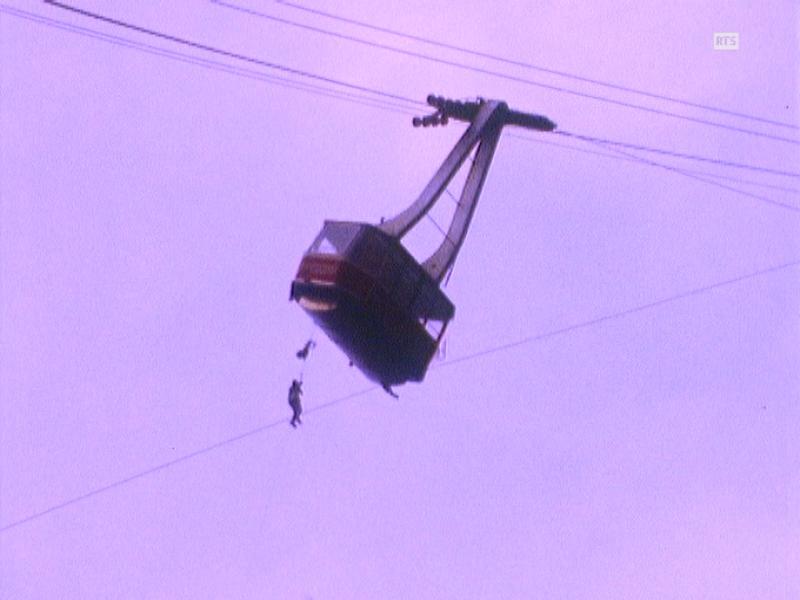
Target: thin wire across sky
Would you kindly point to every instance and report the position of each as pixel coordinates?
(530, 339)
(366, 95)
(519, 63)
(516, 78)
(359, 94)
(364, 100)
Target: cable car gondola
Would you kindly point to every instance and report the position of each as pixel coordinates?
(384, 309)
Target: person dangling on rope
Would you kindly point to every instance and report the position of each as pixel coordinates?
(295, 391)
(302, 354)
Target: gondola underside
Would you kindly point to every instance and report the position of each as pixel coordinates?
(386, 344)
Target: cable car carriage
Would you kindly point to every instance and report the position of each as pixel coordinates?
(357, 281)
(370, 296)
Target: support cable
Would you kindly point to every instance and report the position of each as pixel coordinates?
(226, 53)
(716, 161)
(243, 72)
(526, 65)
(502, 75)
(492, 350)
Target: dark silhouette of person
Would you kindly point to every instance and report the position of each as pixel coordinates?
(303, 353)
(295, 391)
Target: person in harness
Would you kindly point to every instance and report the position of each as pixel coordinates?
(295, 391)
(302, 354)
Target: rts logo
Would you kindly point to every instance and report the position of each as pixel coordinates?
(726, 41)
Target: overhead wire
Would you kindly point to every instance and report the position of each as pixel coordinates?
(175, 461)
(769, 186)
(468, 357)
(210, 64)
(778, 203)
(227, 53)
(263, 428)
(385, 94)
(242, 72)
(652, 163)
(675, 154)
(618, 314)
(690, 175)
(499, 74)
(385, 105)
(162, 52)
(539, 140)
(523, 64)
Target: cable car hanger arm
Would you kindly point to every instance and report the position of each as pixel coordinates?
(486, 118)
(443, 257)
(382, 306)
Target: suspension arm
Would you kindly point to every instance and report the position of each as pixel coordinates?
(488, 117)
(440, 261)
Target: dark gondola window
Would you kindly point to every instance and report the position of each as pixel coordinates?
(434, 328)
(335, 238)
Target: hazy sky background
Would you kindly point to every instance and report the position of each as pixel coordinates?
(154, 213)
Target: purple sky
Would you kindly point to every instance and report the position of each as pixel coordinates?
(154, 213)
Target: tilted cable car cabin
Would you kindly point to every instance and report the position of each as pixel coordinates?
(370, 296)
(384, 309)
